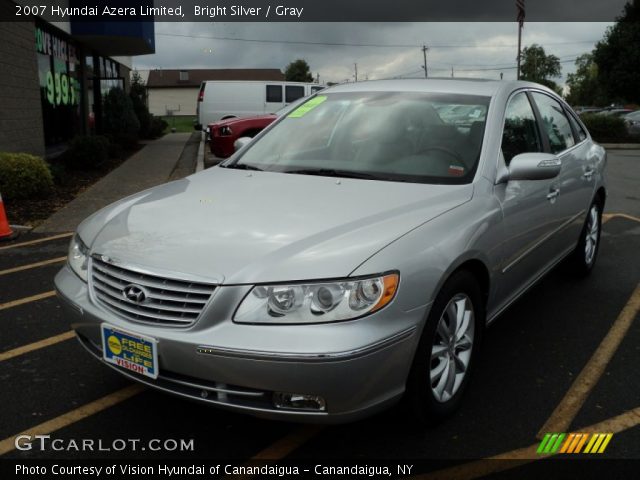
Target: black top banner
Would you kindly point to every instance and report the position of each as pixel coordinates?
(316, 10)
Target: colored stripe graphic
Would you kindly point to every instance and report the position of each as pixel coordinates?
(553, 443)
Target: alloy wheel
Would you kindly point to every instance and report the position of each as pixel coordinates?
(451, 349)
(591, 234)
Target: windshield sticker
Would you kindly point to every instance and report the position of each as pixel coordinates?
(306, 107)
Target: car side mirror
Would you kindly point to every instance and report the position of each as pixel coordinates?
(534, 166)
(241, 142)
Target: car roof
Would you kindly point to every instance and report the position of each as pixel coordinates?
(456, 86)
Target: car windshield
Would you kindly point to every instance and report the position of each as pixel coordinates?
(405, 137)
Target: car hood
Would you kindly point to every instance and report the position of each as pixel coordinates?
(233, 226)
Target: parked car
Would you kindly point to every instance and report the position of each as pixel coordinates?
(348, 257)
(223, 134)
(617, 112)
(587, 110)
(225, 137)
(220, 100)
(632, 121)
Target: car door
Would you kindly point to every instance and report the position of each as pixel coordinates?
(576, 180)
(529, 208)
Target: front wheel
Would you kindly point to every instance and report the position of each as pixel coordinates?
(447, 350)
(584, 256)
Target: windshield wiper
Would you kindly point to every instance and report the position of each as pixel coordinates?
(242, 166)
(332, 172)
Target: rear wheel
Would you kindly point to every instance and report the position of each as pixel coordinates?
(584, 256)
(447, 350)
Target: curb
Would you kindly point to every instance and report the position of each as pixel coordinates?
(200, 157)
(621, 146)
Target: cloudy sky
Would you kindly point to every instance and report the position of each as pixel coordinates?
(473, 49)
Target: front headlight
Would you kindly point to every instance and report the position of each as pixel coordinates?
(78, 257)
(317, 302)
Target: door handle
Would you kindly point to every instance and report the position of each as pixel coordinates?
(553, 194)
(588, 173)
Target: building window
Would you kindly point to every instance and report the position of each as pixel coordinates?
(60, 86)
(184, 75)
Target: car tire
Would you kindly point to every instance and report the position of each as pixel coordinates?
(443, 357)
(584, 256)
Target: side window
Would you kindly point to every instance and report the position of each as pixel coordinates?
(274, 93)
(317, 89)
(293, 93)
(520, 129)
(555, 123)
(582, 135)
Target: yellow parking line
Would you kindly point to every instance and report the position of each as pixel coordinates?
(32, 265)
(522, 456)
(39, 240)
(573, 400)
(280, 448)
(36, 345)
(628, 217)
(80, 413)
(22, 301)
(608, 216)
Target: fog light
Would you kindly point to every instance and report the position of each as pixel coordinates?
(299, 401)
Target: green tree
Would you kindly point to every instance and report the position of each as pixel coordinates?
(584, 85)
(138, 95)
(539, 67)
(298, 71)
(618, 57)
(120, 121)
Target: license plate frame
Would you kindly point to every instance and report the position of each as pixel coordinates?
(132, 351)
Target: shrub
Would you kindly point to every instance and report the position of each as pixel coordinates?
(58, 172)
(138, 95)
(157, 127)
(606, 128)
(120, 121)
(87, 152)
(24, 176)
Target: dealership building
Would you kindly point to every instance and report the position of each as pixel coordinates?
(55, 74)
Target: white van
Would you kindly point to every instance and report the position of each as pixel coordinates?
(219, 99)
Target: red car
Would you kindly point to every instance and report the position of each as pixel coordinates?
(224, 133)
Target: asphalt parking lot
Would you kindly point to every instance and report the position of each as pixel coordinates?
(562, 359)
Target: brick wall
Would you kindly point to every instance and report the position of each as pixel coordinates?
(21, 128)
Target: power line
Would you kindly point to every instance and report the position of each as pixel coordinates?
(490, 69)
(339, 44)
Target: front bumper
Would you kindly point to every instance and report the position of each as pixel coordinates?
(358, 367)
(221, 146)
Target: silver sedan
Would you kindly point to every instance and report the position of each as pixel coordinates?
(348, 257)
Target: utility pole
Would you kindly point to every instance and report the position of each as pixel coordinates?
(424, 54)
(521, 17)
(355, 65)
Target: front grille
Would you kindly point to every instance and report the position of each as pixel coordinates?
(166, 301)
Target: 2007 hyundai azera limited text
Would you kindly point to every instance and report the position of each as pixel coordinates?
(348, 256)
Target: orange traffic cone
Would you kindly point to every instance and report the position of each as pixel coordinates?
(5, 229)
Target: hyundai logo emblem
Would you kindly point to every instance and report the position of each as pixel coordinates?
(134, 293)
